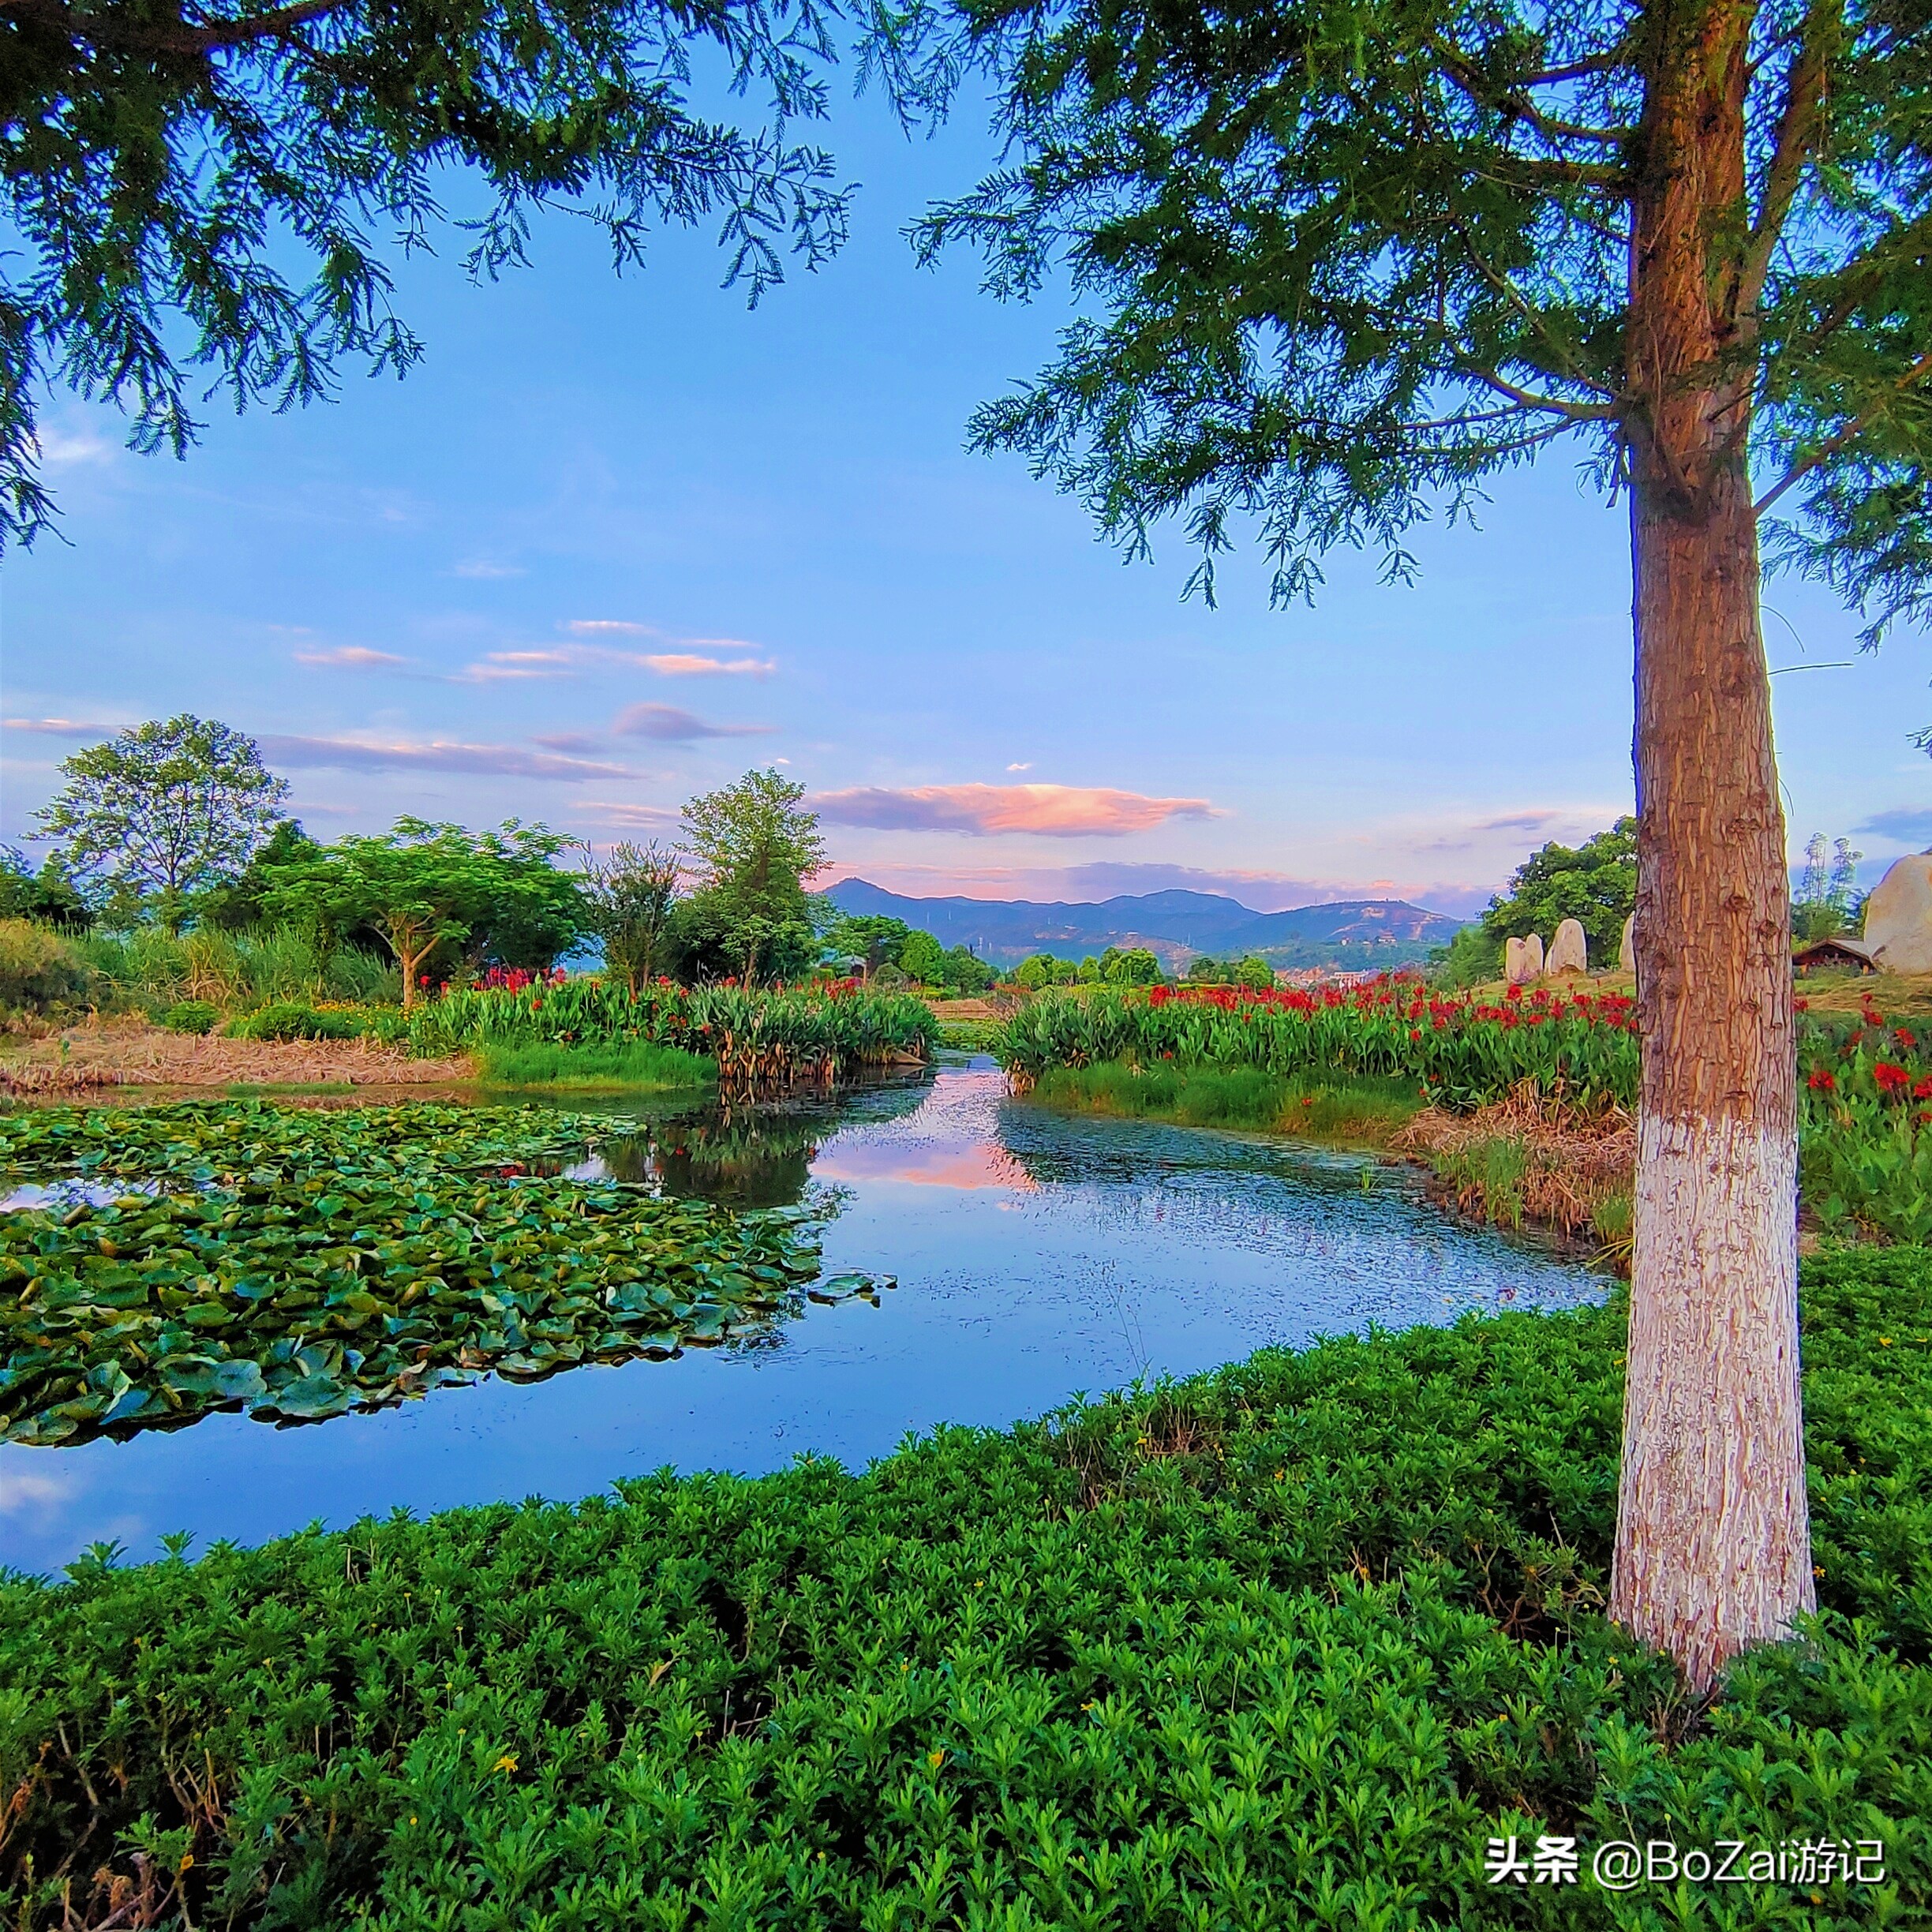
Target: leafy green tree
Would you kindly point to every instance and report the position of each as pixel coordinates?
(1472, 955)
(235, 905)
(1828, 901)
(195, 190)
(1254, 972)
(966, 972)
(422, 888)
(164, 811)
(1595, 883)
(1134, 966)
(48, 895)
(873, 937)
(1339, 261)
(923, 958)
(629, 900)
(1042, 969)
(755, 845)
(1206, 972)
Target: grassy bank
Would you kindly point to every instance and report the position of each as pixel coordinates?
(1285, 1646)
(1362, 1111)
(634, 1065)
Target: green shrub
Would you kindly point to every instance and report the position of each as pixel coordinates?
(190, 1016)
(1280, 1647)
(287, 1020)
(39, 968)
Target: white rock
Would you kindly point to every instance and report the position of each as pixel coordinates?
(1898, 917)
(1522, 960)
(1627, 946)
(1570, 950)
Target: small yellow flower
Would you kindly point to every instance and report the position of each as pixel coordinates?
(506, 1762)
(187, 1860)
(1885, 1341)
(935, 1759)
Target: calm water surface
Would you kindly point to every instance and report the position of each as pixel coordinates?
(1037, 1256)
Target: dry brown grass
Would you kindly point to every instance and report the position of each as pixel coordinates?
(132, 1053)
(1525, 1158)
(1896, 995)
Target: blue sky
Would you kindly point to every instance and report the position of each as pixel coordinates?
(614, 541)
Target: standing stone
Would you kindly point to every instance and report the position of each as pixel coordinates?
(1627, 946)
(1570, 950)
(1522, 960)
(1898, 917)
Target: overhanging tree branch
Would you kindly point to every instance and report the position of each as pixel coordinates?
(1846, 436)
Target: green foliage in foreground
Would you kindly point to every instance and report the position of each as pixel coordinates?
(1281, 1646)
(1362, 1108)
(310, 1262)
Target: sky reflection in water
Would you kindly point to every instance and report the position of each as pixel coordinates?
(1036, 1255)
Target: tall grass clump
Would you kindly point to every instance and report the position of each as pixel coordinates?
(628, 1064)
(236, 971)
(751, 1034)
(40, 968)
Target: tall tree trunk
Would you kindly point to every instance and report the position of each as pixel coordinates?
(1713, 1542)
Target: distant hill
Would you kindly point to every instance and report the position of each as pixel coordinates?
(1177, 926)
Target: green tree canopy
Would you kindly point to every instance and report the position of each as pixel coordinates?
(427, 888)
(922, 957)
(1827, 900)
(212, 189)
(235, 904)
(164, 810)
(1595, 883)
(873, 937)
(630, 897)
(754, 845)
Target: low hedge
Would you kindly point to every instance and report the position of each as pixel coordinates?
(1281, 1646)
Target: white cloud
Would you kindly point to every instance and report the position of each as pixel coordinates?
(483, 566)
(61, 449)
(439, 755)
(1028, 767)
(682, 664)
(60, 727)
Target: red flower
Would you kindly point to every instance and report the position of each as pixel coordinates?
(1922, 1090)
(1891, 1079)
(1905, 1037)
(1823, 1081)
(1802, 1005)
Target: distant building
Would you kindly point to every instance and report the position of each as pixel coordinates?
(1834, 955)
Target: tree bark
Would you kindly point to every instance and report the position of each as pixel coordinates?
(1713, 1542)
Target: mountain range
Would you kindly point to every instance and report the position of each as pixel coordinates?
(1176, 926)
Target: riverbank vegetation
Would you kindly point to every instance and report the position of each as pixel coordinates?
(1359, 1109)
(1288, 1644)
(1523, 1102)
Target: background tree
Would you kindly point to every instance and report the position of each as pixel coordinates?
(48, 895)
(965, 972)
(422, 887)
(166, 810)
(873, 937)
(629, 898)
(755, 845)
(1336, 262)
(235, 904)
(195, 190)
(923, 958)
(1828, 900)
(1594, 883)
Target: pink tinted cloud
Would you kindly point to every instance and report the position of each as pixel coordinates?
(60, 727)
(1046, 810)
(352, 657)
(685, 664)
